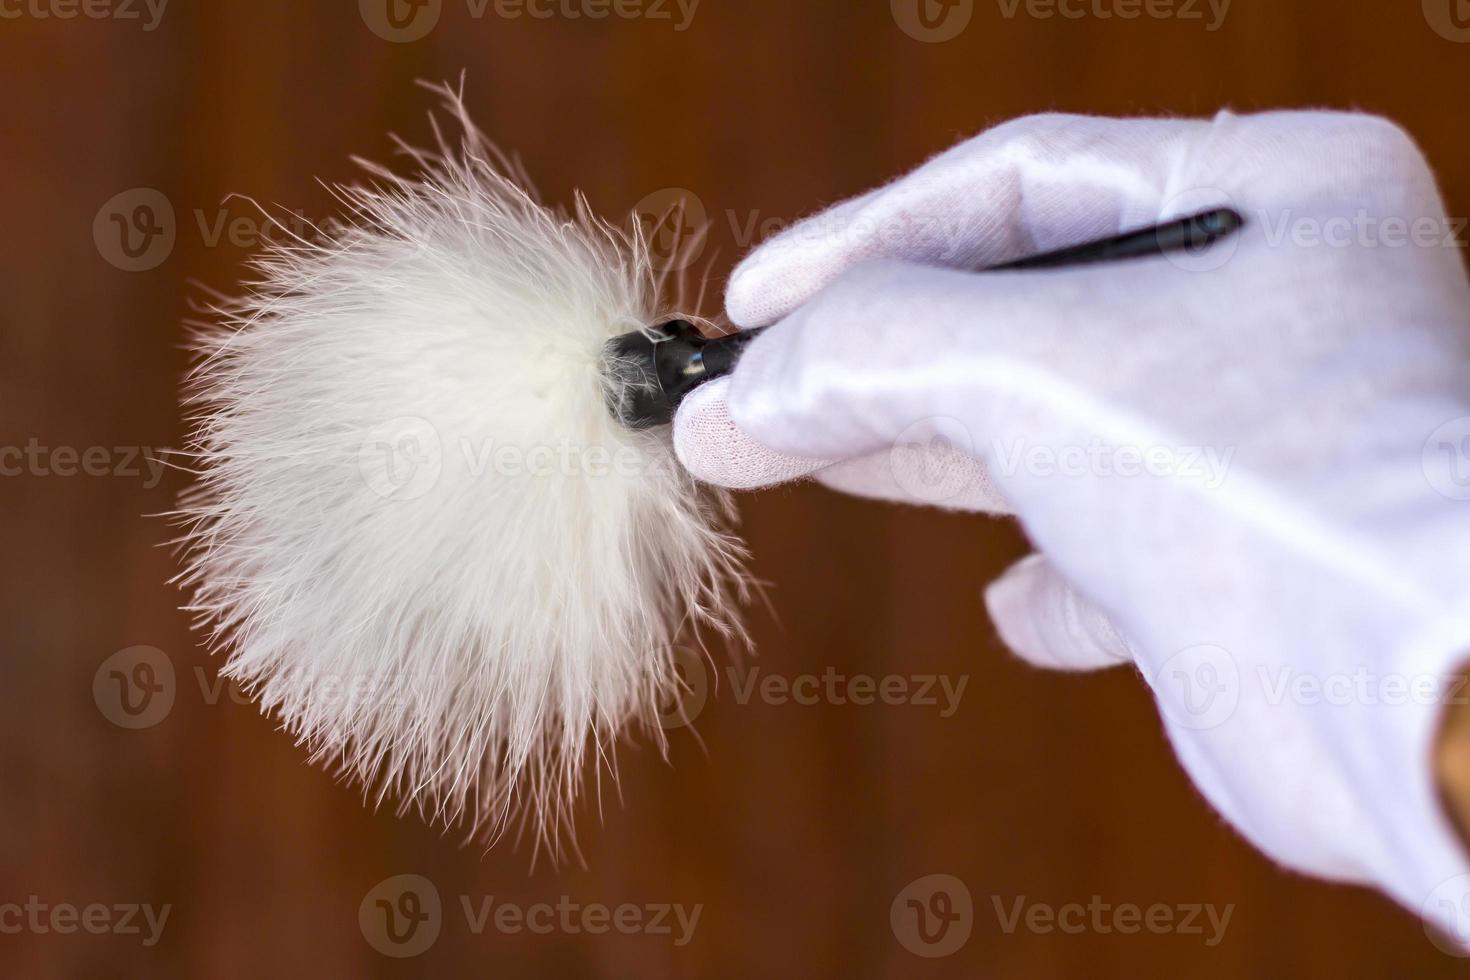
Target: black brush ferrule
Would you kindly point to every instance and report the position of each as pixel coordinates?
(650, 371)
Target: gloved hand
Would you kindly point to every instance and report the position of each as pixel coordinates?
(1242, 467)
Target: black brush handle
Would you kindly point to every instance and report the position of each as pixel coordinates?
(652, 370)
(1193, 234)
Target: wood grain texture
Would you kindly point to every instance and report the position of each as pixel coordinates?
(794, 827)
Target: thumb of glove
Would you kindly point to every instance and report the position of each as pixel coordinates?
(1044, 621)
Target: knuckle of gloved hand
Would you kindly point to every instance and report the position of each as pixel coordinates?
(1043, 127)
(1390, 142)
(1368, 155)
(1027, 128)
(1296, 161)
(1038, 137)
(1394, 181)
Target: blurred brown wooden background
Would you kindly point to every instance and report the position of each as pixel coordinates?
(794, 826)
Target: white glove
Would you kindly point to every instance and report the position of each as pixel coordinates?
(1245, 460)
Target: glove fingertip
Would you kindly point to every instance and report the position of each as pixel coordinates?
(756, 296)
(716, 451)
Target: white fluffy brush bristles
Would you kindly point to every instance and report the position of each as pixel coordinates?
(427, 545)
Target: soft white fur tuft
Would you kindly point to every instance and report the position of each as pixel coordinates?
(425, 542)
